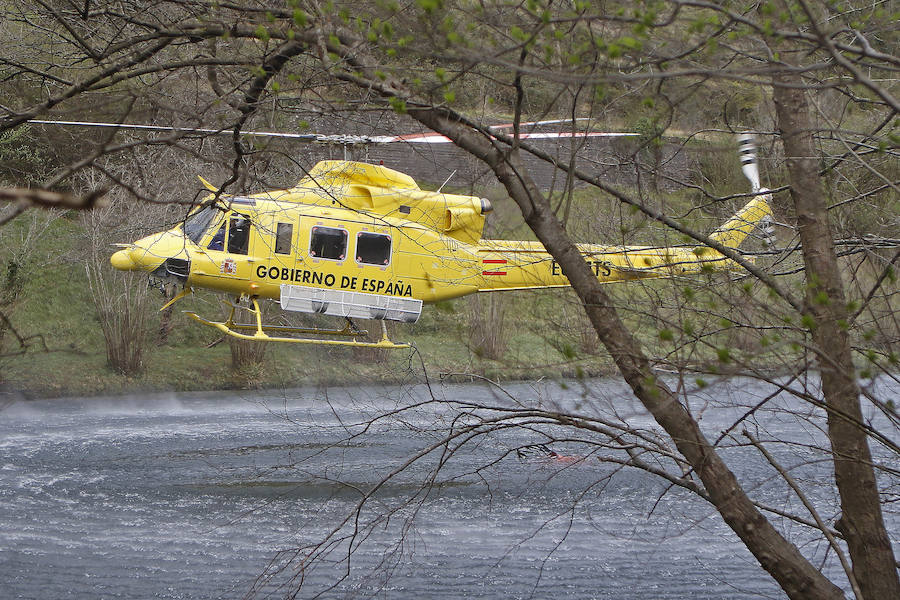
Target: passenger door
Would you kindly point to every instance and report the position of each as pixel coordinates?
(229, 250)
(279, 235)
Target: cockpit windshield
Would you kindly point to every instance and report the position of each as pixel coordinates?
(196, 223)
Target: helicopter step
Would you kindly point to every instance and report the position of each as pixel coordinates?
(284, 333)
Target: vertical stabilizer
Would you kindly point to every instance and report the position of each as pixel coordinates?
(756, 213)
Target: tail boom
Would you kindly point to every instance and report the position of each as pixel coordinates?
(516, 265)
(507, 266)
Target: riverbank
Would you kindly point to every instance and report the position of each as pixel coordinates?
(77, 372)
(70, 357)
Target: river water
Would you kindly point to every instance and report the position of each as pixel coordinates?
(222, 495)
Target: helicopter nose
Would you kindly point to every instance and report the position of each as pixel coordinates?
(122, 260)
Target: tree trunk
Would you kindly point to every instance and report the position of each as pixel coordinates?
(862, 523)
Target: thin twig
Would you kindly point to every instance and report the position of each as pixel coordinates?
(812, 511)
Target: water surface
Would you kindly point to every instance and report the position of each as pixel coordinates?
(199, 495)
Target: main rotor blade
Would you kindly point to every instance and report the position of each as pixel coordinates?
(312, 137)
(538, 123)
(412, 138)
(437, 138)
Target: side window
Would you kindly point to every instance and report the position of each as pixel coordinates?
(283, 234)
(373, 248)
(328, 242)
(218, 240)
(239, 234)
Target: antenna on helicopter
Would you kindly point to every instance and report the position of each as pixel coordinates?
(750, 168)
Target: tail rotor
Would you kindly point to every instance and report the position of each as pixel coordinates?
(747, 151)
(750, 168)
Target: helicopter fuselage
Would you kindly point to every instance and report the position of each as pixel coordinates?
(367, 242)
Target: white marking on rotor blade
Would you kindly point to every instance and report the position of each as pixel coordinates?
(423, 138)
(531, 123)
(577, 134)
(436, 138)
(413, 138)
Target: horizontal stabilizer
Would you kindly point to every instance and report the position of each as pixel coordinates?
(207, 184)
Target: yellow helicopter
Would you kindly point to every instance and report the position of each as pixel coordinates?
(362, 241)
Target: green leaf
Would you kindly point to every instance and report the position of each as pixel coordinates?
(630, 43)
(724, 355)
(429, 6)
(398, 105)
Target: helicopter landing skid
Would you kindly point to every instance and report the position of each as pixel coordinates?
(284, 333)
